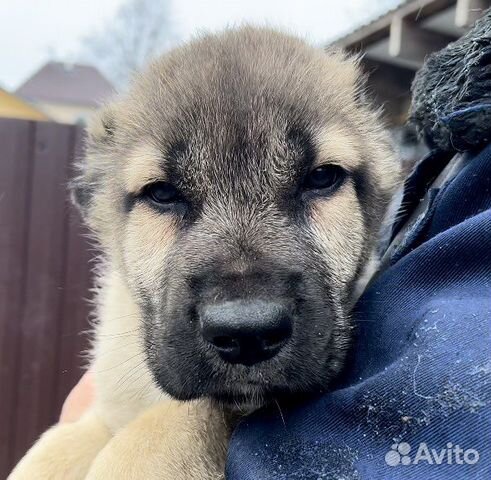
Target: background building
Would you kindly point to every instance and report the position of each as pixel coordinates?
(67, 93)
(395, 45)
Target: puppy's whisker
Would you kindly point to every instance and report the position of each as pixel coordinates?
(118, 365)
(129, 333)
(108, 351)
(280, 412)
(129, 376)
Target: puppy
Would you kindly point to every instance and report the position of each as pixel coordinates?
(237, 192)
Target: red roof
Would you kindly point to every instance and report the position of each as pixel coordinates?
(67, 83)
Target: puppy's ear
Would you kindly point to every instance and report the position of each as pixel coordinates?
(346, 71)
(361, 90)
(100, 135)
(102, 127)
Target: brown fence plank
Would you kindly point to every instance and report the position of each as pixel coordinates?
(46, 253)
(16, 139)
(44, 281)
(75, 309)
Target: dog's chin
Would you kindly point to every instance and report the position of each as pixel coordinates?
(244, 397)
(242, 403)
(239, 397)
(245, 401)
(243, 390)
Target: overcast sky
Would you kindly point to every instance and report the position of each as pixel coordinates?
(33, 31)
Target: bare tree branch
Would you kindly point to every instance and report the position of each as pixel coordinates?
(140, 30)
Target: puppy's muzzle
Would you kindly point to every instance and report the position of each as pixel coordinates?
(246, 331)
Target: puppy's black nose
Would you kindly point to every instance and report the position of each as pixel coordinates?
(246, 332)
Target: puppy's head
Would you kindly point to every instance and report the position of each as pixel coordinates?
(239, 188)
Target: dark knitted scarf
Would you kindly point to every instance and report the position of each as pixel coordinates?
(451, 105)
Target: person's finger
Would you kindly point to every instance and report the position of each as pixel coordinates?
(79, 399)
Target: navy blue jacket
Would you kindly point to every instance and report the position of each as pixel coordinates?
(415, 398)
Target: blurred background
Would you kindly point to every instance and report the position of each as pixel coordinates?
(59, 61)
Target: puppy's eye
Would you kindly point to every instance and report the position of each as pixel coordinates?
(162, 193)
(326, 177)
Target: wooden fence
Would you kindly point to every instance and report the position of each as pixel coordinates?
(44, 281)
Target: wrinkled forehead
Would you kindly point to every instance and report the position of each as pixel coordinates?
(260, 147)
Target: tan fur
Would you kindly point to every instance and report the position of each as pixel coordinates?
(65, 452)
(147, 238)
(142, 168)
(338, 225)
(338, 146)
(169, 441)
(122, 379)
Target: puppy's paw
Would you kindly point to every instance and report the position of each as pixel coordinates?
(172, 440)
(65, 452)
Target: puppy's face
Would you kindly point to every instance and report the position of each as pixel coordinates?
(239, 188)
